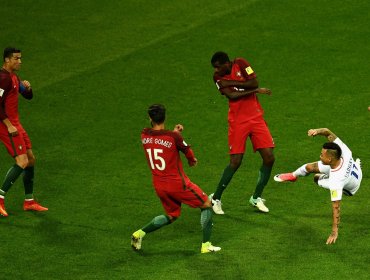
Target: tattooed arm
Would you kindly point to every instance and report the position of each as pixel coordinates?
(322, 131)
(336, 219)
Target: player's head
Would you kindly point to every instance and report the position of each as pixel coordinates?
(157, 113)
(221, 63)
(12, 58)
(330, 152)
(9, 51)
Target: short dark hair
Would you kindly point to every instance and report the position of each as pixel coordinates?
(8, 52)
(220, 57)
(157, 112)
(333, 148)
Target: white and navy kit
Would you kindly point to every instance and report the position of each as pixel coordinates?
(346, 178)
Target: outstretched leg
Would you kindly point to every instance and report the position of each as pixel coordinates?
(153, 225)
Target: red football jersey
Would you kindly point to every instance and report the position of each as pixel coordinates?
(244, 108)
(162, 152)
(9, 87)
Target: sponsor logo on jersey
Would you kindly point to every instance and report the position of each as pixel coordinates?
(334, 193)
(249, 70)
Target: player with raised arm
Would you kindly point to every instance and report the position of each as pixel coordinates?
(237, 81)
(336, 171)
(170, 182)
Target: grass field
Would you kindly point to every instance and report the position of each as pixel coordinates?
(95, 69)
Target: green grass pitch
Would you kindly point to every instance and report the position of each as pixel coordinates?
(96, 67)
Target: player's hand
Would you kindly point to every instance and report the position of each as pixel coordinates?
(264, 91)
(193, 163)
(178, 128)
(27, 84)
(312, 132)
(332, 237)
(12, 130)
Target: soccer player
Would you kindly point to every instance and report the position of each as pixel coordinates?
(336, 171)
(170, 182)
(237, 81)
(12, 134)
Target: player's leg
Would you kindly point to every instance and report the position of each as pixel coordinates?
(196, 198)
(236, 138)
(156, 223)
(301, 171)
(207, 224)
(268, 160)
(28, 175)
(173, 211)
(227, 175)
(263, 143)
(16, 148)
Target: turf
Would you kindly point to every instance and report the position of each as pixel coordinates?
(96, 68)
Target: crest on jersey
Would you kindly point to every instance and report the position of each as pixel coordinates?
(249, 70)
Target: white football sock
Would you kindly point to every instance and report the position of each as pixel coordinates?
(301, 171)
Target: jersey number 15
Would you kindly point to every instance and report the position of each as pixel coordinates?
(155, 160)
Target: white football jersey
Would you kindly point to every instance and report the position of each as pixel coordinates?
(345, 178)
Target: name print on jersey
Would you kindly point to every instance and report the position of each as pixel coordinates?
(161, 142)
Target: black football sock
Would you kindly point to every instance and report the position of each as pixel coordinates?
(225, 180)
(28, 176)
(11, 177)
(263, 178)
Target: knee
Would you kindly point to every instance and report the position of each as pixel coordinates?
(269, 160)
(172, 219)
(235, 163)
(207, 204)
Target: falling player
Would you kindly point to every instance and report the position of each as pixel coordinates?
(336, 171)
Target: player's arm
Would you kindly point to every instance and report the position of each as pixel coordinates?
(5, 87)
(12, 130)
(248, 84)
(231, 93)
(336, 219)
(323, 132)
(183, 147)
(250, 78)
(25, 89)
(192, 160)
